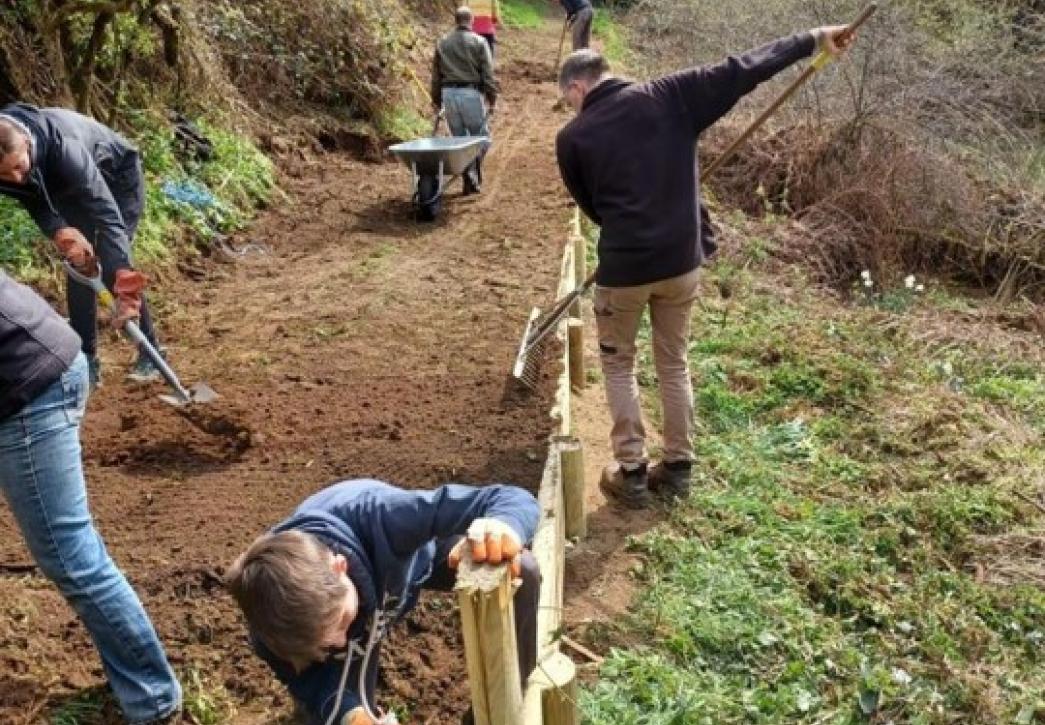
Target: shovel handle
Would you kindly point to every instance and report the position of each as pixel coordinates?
(130, 329)
(821, 60)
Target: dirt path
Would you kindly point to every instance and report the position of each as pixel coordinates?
(363, 344)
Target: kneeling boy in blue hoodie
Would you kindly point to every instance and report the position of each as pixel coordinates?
(320, 590)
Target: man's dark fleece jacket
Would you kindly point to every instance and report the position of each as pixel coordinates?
(629, 160)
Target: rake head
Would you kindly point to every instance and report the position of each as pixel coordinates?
(534, 346)
(527, 368)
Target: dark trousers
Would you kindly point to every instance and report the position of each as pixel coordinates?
(491, 40)
(526, 600)
(581, 28)
(128, 189)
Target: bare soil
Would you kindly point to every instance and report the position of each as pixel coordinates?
(351, 341)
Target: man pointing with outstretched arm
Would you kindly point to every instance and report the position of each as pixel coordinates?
(629, 160)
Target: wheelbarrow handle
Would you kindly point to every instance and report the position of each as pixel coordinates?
(130, 328)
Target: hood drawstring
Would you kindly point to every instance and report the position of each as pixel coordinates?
(378, 629)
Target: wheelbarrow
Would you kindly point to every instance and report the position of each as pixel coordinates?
(434, 162)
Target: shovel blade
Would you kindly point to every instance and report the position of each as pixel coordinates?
(198, 393)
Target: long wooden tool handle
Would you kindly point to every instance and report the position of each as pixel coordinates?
(562, 41)
(822, 59)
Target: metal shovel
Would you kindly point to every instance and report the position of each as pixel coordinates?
(197, 393)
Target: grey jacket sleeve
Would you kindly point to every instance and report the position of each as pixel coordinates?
(84, 187)
(49, 220)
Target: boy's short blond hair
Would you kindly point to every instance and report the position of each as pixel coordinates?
(289, 592)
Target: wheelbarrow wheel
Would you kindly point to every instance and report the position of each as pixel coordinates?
(429, 200)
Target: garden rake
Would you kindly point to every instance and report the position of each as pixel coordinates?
(539, 326)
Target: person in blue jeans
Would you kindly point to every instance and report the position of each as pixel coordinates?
(43, 393)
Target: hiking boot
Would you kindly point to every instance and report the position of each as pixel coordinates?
(627, 486)
(94, 372)
(144, 371)
(671, 479)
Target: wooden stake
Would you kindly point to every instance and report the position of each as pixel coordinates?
(579, 249)
(575, 342)
(572, 456)
(557, 678)
(488, 618)
(549, 548)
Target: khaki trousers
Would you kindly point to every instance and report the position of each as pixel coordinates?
(618, 311)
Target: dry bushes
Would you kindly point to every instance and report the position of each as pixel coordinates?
(329, 53)
(925, 151)
(341, 58)
(875, 200)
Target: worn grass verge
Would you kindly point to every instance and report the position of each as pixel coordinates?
(864, 542)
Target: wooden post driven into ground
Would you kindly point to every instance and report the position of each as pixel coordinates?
(488, 618)
(575, 344)
(572, 456)
(485, 593)
(556, 679)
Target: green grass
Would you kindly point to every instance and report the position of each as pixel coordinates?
(525, 14)
(838, 560)
(403, 123)
(85, 708)
(610, 33)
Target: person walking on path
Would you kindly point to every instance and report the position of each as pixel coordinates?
(628, 158)
(43, 393)
(579, 18)
(486, 16)
(82, 183)
(462, 76)
(320, 590)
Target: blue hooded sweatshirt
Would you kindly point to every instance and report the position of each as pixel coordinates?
(389, 537)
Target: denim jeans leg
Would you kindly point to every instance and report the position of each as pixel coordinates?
(41, 476)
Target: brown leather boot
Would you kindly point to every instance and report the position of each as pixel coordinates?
(626, 485)
(671, 479)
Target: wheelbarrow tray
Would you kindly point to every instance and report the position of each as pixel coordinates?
(424, 155)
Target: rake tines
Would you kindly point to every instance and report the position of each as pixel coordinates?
(527, 369)
(535, 338)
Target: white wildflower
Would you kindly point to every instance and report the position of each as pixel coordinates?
(908, 281)
(866, 274)
(919, 288)
(901, 676)
(868, 283)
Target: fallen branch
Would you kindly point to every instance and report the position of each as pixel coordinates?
(581, 650)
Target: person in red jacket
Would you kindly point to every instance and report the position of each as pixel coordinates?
(486, 16)
(629, 160)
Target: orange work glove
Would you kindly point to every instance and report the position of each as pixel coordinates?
(76, 250)
(127, 288)
(492, 542)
